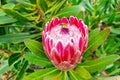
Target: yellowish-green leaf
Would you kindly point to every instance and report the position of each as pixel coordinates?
(39, 75)
(83, 73)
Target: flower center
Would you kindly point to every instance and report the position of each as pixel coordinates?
(64, 30)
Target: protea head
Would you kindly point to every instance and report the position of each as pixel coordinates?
(65, 41)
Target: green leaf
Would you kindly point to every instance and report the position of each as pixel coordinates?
(88, 6)
(111, 17)
(25, 3)
(9, 6)
(54, 76)
(4, 67)
(114, 72)
(39, 75)
(94, 33)
(36, 47)
(22, 70)
(16, 15)
(54, 9)
(6, 20)
(65, 76)
(74, 75)
(97, 39)
(13, 58)
(32, 58)
(18, 37)
(83, 73)
(99, 64)
(115, 30)
(2, 13)
(69, 11)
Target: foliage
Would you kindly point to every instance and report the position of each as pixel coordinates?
(21, 51)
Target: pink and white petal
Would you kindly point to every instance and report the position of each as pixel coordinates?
(81, 44)
(76, 57)
(46, 28)
(60, 48)
(68, 52)
(64, 20)
(55, 57)
(47, 45)
(76, 22)
(81, 27)
(51, 25)
(72, 20)
(56, 21)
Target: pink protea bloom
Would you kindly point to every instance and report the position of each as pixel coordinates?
(65, 41)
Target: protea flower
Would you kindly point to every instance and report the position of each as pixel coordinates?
(65, 41)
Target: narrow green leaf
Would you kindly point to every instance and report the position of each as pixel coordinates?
(16, 15)
(9, 6)
(99, 64)
(69, 11)
(65, 76)
(13, 58)
(25, 3)
(39, 75)
(115, 30)
(114, 72)
(18, 37)
(83, 73)
(4, 67)
(22, 71)
(111, 17)
(6, 20)
(2, 13)
(97, 40)
(36, 47)
(93, 33)
(54, 76)
(56, 7)
(41, 61)
(74, 75)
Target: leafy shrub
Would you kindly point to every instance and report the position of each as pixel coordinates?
(21, 25)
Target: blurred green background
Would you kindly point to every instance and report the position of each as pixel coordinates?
(21, 26)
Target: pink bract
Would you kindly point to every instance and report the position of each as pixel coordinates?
(65, 41)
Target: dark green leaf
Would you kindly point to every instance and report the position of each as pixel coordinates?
(22, 70)
(13, 58)
(111, 17)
